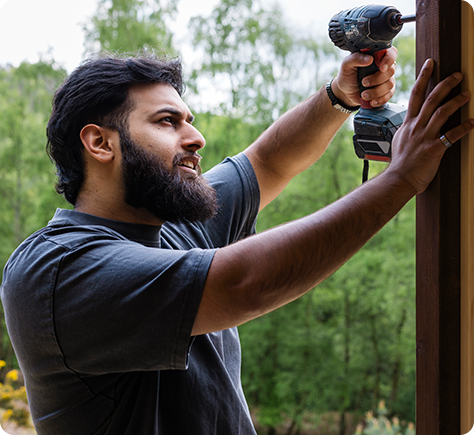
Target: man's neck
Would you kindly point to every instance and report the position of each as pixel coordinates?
(122, 212)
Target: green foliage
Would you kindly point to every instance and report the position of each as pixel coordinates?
(255, 65)
(225, 136)
(13, 401)
(406, 68)
(27, 196)
(383, 425)
(131, 25)
(26, 173)
(335, 174)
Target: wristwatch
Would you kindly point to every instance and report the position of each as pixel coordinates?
(336, 103)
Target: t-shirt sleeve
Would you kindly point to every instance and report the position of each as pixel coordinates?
(239, 199)
(120, 306)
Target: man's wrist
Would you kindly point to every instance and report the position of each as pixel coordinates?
(337, 103)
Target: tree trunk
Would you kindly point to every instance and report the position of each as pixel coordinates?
(342, 423)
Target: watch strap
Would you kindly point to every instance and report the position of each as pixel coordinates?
(337, 104)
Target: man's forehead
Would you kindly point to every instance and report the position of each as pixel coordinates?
(149, 98)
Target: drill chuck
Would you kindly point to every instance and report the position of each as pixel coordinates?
(399, 19)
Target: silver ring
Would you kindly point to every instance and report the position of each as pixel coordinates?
(445, 140)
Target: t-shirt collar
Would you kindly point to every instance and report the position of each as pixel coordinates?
(146, 234)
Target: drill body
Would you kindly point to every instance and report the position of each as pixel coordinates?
(370, 29)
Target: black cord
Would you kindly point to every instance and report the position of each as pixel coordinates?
(365, 171)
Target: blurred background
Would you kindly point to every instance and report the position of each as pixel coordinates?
(340, 360)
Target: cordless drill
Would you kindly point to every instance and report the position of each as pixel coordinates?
(371, 29)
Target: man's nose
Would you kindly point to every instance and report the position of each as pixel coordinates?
(194, 140)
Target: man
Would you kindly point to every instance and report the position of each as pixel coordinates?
(123, 312)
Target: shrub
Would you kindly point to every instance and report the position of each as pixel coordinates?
(382, 425)
(13, 401)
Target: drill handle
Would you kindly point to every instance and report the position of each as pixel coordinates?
(367, 71)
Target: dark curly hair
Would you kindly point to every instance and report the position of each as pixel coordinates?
(97, 92)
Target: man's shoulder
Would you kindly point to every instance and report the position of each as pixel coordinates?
(68, 237)
(51, 243)
(238, 165)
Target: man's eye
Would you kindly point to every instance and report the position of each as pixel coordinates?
(166, 120)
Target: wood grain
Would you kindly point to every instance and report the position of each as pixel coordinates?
(467, 228)
(438, 257)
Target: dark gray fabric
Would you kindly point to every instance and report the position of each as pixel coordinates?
(100, 315)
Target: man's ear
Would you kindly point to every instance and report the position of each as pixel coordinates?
(101, 143)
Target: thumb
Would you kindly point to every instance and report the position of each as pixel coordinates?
(357, 60)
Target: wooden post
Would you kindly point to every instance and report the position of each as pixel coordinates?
(467, 228)
(438, 403)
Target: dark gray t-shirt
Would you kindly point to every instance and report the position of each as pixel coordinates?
(100, 315)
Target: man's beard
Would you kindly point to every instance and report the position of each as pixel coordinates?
(168, 194)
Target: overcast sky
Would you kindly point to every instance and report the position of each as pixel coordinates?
(31, 27)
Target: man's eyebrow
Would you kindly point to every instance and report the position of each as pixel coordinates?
(173, 111)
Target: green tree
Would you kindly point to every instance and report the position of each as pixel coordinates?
(251, 60)
(131, 25)
(225, 136)
(406, 68)
(27, 176)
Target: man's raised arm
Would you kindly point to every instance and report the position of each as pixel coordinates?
(300, 137)
(261, 273)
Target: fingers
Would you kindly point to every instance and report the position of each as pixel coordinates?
(417, 97)
(431, 110)
(430, 115)
(442, 114)
(418, 145)
(388, 60)
(428, 109)
(380, 94)
(456, 133)
(359, 59)
(382, 83)
(380, 77)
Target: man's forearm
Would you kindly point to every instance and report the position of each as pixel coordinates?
(264, 272)
(293, 143)
(302, 134)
